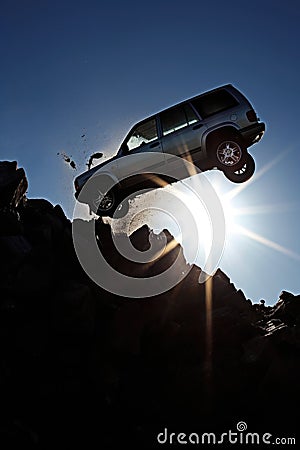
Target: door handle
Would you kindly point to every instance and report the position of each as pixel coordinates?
(156, 144)
(196, 127)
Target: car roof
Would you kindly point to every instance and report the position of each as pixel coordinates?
(225, 86)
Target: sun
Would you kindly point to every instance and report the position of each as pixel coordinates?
(233, 214)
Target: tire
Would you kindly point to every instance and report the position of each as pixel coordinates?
(243, 174)
(111, 205)
(229, 153)
(105, 206)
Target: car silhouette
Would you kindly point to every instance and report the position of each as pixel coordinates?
(212, 130)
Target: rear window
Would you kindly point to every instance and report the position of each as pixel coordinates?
(213, 103)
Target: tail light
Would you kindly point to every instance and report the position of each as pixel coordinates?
(251, 116)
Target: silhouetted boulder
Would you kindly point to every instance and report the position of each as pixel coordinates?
(13, 184)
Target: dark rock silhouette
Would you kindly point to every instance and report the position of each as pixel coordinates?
(13, 184)
(79, 365)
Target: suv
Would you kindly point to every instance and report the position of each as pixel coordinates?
(212, 130)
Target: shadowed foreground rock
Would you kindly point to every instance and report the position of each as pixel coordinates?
(80, 365)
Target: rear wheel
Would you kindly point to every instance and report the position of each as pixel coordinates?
(229, 153)
(243, 174)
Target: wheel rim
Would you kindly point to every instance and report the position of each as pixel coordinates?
(104, 202)
(229, 153)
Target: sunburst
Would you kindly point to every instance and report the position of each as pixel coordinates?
(231, 212)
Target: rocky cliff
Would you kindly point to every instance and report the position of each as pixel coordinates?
(81, 365)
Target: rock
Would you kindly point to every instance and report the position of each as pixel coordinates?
(10, 222)
(34, 277)
(286, 296)
(273, 326)
(198, 354)
(73, 308)
(287, 308)
(13, 184)
(14, 250)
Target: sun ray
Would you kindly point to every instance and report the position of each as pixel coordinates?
(157, 179)
(208, 331)
(266, 209)
(267, 242)
(191, 167)
(236, 191)
(164, 251)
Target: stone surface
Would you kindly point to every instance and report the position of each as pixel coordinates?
(79, 365)
(13, 184)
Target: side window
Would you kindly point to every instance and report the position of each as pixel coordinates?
(215, 102)
(176, 118)
(142, 134)
(172, 120)
(190, 114)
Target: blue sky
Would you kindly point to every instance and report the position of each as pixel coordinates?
(94, 68)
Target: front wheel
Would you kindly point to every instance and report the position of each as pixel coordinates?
(243, 174)
(110, 204)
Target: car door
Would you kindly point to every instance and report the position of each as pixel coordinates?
(143, 140)
(181, 131)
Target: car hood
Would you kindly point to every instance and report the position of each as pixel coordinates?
(88, 173)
